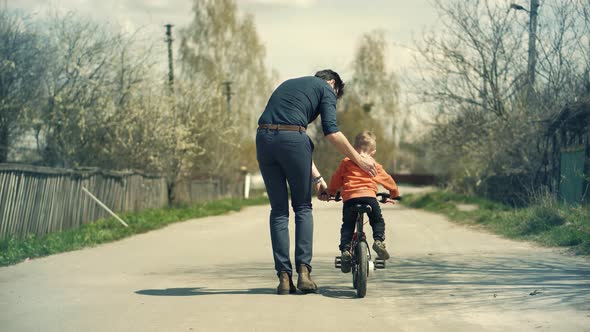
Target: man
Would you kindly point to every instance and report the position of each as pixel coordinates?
(284, 154)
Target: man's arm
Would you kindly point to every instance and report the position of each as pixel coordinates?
(314, 170)
(365, 162)
(320, 187)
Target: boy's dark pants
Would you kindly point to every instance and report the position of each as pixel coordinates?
(285, 157)
(349, 220)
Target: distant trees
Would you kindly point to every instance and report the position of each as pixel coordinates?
(221, 46)
(488, 128)
(88, 96)
(370, 102)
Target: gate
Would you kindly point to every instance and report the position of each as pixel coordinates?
(571, 184)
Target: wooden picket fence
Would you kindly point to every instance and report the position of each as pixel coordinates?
(40, 200)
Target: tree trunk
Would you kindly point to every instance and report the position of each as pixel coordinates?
(4, 144)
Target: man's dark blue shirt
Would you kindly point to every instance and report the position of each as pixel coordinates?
(299, 101)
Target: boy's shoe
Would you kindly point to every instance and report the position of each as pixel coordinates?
(345, 261)
(379, 248)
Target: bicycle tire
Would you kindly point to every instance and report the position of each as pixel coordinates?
(362, 269)
(354, 272)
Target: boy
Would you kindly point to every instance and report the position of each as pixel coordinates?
(358, 187)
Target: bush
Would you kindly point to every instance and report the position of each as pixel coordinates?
(538, 219)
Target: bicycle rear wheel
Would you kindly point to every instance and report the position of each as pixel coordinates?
(361, 269)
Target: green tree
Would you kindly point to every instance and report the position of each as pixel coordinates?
(371, 102)
(221, 46)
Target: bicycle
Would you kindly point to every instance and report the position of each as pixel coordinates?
(361, 263)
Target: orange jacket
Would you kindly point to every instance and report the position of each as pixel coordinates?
(354, 182)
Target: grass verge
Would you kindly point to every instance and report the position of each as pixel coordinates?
(545, 222)
(14, 250)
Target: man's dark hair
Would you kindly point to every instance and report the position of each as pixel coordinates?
(327, 75)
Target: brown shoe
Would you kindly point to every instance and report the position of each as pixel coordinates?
(304, 282)
(285, 284)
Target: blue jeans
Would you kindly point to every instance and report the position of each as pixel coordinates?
(349, 220)
(286, 157)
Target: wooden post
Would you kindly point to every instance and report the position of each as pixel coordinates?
(105, 207)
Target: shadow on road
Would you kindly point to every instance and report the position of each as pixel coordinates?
(454, 280)
(471, 281)
(479, 280)
(338, 292)
(197, 291)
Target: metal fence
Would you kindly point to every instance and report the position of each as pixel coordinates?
(40, 200)
(573, 185)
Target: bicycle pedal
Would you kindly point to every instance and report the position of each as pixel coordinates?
(379, 263)
(338, 262)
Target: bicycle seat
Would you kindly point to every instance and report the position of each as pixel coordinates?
(362, 208)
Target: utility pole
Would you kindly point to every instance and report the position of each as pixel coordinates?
(532, 60)
(228, 94)
(173, 158)
(169, 40)
(532, 56)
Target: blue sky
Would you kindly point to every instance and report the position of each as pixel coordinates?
(300, 36)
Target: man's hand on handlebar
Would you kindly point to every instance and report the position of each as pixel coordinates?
(321, 189)
(335, 198)
(381, 197)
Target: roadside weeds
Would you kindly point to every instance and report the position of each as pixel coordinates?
(546, 222)
(14, 250)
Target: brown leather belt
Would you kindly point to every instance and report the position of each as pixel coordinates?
(281, 127)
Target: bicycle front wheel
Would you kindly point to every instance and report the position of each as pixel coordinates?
(362, 269)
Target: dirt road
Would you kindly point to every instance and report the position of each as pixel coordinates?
(216, 274)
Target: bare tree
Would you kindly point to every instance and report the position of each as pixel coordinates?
(475, 61)
(22, 68)
(77, 86)
(474, 72)
(101, 99)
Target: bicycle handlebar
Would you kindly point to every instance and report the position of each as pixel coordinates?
(384, 197)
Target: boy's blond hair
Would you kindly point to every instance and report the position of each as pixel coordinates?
(365, 142)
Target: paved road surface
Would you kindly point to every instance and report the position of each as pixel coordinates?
(216, 274)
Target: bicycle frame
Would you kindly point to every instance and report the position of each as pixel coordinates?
(361, 263)
(358, 233)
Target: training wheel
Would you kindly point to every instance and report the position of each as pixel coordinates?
(371, 268)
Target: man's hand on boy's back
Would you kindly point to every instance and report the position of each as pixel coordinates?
(367, 163)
